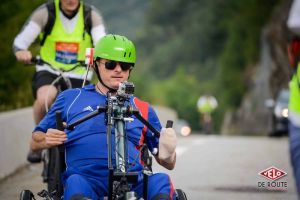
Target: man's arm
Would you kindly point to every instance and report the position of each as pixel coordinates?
(165, 164)
(167, 145)
(41, 140)
(30, 31)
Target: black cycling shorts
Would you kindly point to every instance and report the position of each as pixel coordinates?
(42, 78)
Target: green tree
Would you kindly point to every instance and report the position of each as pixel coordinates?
(215, 45)
(15, 83)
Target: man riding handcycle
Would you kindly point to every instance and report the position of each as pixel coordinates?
(87, 174)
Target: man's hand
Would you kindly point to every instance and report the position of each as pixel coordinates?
(55, 137)
(24, 56)
(167, 145)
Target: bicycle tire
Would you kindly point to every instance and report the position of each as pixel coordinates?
(180, 194)
(26, 195)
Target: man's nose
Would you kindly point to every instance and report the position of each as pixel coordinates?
(118, 67)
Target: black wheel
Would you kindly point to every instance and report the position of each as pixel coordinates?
(55, 168)
(180, 194)
(26, 195)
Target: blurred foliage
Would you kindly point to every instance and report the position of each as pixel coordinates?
(15, 82)
(122, 17)
(174, 92)
(185, 49)
(214, 41)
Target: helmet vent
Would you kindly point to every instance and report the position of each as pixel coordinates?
(129, 54)
(115, 37)
(124, 54)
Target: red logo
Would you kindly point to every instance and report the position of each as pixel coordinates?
(272, 173)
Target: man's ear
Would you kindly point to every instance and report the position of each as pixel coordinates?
(129, 73)
(95, 65)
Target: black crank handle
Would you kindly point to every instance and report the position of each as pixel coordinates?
(59, 122)
(169, 124)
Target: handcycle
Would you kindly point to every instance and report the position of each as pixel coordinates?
(50, 157)
(117, 114)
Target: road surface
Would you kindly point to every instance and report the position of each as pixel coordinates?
(208, 167)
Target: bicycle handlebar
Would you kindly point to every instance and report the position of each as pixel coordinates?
(135, 112)
(39, 61)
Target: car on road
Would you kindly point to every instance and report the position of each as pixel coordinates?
(280, 114)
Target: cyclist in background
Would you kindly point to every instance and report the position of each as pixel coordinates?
(86, 148)
(206, 105)
(293, 23)
(66, 28)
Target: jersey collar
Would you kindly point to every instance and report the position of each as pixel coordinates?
(90, 87)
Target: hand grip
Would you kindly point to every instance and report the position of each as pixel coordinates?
(37, 60)
(169, 124)
(59, 122)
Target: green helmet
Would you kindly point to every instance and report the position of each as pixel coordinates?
(115, 47)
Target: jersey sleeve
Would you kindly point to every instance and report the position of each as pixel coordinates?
(151, 139)
(31, 29)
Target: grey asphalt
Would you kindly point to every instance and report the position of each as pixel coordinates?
(208, 167)
(28, 177)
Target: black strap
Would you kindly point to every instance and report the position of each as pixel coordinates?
(87, 14)
(52, 15)
(50, 23)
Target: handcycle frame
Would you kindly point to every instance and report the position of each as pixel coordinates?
(116, 115)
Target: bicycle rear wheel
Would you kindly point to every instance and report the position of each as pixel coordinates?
(180, 194)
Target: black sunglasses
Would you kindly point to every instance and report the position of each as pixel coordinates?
(111, 65)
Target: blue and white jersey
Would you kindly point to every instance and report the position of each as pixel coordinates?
(87, 143)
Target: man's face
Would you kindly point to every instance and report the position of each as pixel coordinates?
(112, 77)
(69, 5)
